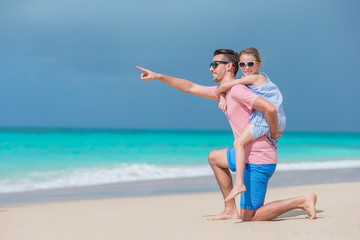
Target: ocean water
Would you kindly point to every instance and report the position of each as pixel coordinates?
(32, 159)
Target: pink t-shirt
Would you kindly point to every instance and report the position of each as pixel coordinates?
(239, 107)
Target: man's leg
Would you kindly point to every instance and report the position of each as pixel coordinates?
(219, 164)
(274, 209)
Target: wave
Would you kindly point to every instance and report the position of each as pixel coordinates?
(134, 172)
(98, 176)
(318, 165)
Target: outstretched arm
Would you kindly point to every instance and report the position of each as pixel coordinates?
(269, 111)
(183, 85)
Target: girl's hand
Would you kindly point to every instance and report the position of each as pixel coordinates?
(219, 90)
(222, 102)
(222, 105)
(277, 135)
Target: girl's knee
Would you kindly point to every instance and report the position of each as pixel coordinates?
(239, 142)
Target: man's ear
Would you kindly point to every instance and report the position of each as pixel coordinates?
(230, 67)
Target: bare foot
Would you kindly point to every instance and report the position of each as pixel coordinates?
(226, 215)
(235, 191)
(309, 205)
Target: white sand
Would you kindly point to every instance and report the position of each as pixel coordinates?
(183, 216)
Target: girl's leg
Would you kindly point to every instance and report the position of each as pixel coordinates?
(239, 145)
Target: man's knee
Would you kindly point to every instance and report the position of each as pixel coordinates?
(218, 158)
(212, 157)
(247, 215)
(215, 156)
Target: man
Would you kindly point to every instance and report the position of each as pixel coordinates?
(261, 154)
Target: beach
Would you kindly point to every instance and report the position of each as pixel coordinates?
(157, 184)
(102, 212)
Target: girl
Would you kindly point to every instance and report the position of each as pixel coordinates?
(261, 85)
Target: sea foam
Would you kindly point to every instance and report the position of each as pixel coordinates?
(134, 172)
(318, 165)
(97, 176)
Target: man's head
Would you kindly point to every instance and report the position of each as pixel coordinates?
(225, 61)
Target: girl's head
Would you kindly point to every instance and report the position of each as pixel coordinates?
(249, 61)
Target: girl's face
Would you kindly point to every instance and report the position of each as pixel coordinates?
(249, 60)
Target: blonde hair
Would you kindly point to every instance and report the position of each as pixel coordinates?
(251, 51)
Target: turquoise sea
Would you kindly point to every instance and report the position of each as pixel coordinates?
(33, 159)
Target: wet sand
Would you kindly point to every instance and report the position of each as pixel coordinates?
(173, 186)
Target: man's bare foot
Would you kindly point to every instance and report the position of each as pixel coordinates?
(226, 215)
(309, 205)
(235, 191)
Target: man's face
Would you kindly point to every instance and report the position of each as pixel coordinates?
(219, 70)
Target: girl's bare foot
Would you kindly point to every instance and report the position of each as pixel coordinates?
(235, 191)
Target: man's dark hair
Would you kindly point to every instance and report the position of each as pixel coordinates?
(230, 56)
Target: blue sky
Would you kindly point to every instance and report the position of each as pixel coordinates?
(72, 63)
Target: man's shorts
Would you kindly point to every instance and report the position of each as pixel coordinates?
(256, 178)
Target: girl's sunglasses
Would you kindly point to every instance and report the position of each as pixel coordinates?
(249, 64)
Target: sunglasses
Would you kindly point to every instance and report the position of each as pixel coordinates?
(249, 64)
(215, 63)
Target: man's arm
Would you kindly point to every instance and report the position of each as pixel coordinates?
(269, 111)
(178, 83)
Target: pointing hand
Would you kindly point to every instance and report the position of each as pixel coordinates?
(147, 74)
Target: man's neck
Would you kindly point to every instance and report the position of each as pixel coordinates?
(228, 78)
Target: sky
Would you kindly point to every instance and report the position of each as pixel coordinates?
(72, 63)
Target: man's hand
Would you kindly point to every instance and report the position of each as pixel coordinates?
(147, 74)
(222, 103)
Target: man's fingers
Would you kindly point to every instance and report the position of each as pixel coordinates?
(144, 78)
(146, 75)
(142, 69)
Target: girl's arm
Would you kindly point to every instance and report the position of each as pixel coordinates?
(269, 111)
(249, 79)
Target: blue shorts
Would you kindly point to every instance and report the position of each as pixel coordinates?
(256, 178)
